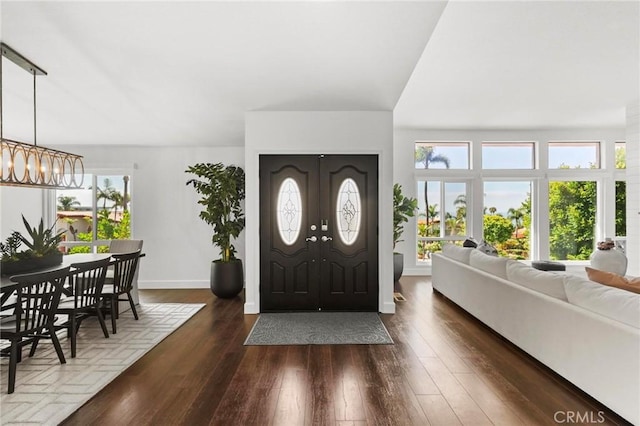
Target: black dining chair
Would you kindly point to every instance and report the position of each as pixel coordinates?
(32, 316)
(86, 281)
(125, 266)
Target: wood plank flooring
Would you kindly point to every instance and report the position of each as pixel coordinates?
(445, 368)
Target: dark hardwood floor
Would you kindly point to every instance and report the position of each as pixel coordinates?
(445, 368)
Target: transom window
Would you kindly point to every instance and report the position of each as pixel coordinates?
(442, 155)
(574, 155)
(508, 155)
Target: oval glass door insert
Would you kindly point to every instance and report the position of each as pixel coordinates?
(289, 211)
(348, 211)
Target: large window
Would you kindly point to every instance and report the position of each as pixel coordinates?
(553, 207)
(96, 214)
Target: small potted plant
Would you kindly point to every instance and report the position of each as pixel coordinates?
(222, 190)
(403, 209)
(42, 249)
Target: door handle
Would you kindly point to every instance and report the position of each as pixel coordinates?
(325, 238)
(312, 238)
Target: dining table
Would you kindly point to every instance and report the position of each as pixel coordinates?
(7, 286)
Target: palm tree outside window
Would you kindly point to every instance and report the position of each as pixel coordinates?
(96, 214)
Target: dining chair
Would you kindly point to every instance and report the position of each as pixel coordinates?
(86, 280)
(125, 266)
(33, 316)
(124, 246)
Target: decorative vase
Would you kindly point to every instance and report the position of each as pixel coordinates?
(608, 258)
(227, 278)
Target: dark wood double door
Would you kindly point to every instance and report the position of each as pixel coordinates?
(318, 232)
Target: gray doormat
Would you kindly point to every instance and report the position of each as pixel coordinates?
(319, 328)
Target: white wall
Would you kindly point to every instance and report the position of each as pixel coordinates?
(164, 210)
(14, 202)
(633, 188)
(315, 132)
(404, 169)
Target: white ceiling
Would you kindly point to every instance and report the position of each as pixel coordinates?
(526, 64)
(184, 73)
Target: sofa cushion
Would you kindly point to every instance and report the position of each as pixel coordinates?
(494, 265)
(613, 280)
(610, 302)
(549, 283)
(461, 254)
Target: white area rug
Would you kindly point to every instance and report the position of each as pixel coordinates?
(47, 392)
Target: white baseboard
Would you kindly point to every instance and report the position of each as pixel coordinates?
(388, 308)
(417, 271)
(251, 308)
(163, 285)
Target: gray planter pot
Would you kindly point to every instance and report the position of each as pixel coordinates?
(227, 278)
(398, 266)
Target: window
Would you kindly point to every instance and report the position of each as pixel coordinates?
(621, 155)
(95, 214)
(528, 208)
(508, 155)
(574, 155)
(506, 217)
(572, 219)
(445, 218)
(621, 208)
(442, 155)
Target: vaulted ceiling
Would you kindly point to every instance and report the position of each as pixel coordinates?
(184, 73)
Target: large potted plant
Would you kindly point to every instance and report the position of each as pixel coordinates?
(42, 249)
(403, 209)
(222, 190)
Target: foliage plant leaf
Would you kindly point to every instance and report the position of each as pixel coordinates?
(222, 189)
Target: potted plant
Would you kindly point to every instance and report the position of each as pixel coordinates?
(403, 209)
(222, 190)
(42, 249)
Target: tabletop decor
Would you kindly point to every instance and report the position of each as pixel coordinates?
(42, 250)
(607, 257)
(222, 190)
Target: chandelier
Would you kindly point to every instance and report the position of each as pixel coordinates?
(30, 165)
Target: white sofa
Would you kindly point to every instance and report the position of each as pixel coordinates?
(599, 352)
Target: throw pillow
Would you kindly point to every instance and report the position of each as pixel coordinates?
(613, 280)
(620, 305)
(549, 283)
(494, 265)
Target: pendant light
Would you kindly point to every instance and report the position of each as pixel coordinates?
(31, 165)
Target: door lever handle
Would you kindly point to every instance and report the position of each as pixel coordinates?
(325, 238)
(312, 238)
